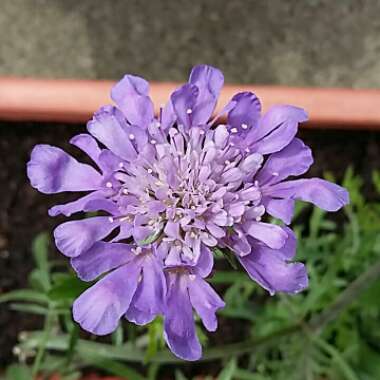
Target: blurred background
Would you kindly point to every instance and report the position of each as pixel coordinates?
(273, 42)
(310, 42)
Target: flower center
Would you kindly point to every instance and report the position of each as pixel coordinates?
(187, 189)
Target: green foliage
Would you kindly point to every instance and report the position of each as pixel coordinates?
(18, 372)
(329, 331)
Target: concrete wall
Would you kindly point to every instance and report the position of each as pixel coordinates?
(295, 42)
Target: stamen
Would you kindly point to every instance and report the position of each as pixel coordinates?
(234, 130)
(131, 136)
(136, 251)
(247, 150)
(227, 162)
(275, 174)
(121, 165)
(189, 111)
(192, 277)
(244, 126)
(150, 171)
(154, 142)
(111, 220)
(125, 191)
(109, 185)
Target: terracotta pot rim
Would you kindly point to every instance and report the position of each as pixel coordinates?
(75, 100)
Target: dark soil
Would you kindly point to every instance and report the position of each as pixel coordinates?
(23, 211)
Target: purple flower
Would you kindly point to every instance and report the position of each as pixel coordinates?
(136, 287)
(172, 187)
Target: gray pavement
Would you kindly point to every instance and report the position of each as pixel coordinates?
(295, 42)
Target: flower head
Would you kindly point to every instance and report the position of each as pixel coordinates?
(171, 187)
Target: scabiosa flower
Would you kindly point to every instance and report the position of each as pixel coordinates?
(172, 187)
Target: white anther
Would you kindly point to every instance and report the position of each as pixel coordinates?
(192, 277)
(193, 207)
(109, 184)
(125, 192)
(227, 162)
(256, 183)
(158, 124)
(151, 222)
(110, 219)
(121, 165)
(137, 250)
(150, 171)
(153, 141)
(244, 126)
(275, 174)
(234, 130)
(232, 144)
(193, 235)
(202, 132)
(258, 218)
(247, 150)
(131, 136)
(189, 111)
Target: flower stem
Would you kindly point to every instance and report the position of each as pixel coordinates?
(43, 342)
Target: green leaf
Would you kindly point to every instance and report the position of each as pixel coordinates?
(344, 367)
(179, 375)
(18, 372)
(112, 367)
(29, 308)
(376, 180)
(27, 295)
(228, 371)
(68, 287)
(40, 253)
(242, 374)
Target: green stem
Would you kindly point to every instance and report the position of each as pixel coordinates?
(43, 342)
